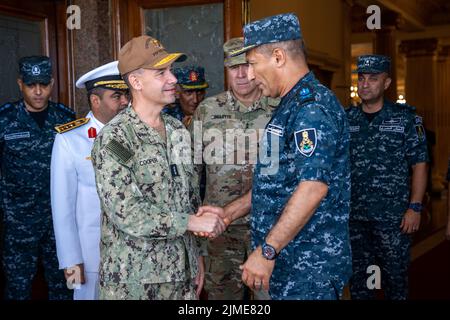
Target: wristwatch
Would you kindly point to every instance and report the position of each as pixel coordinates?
(269, 252)
(416, 207)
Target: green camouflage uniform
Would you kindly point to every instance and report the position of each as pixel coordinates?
(146, 197)
(225, 183)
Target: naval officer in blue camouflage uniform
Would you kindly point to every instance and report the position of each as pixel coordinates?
(191, 90)
(26, 139)
(387, 143)
(300, 199)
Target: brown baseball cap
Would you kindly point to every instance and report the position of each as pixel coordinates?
(145, 52)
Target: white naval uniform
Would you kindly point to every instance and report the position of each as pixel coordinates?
(76, 206)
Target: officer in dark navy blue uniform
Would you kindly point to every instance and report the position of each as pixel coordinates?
(387, 143)
(301, 188)
(26, 139)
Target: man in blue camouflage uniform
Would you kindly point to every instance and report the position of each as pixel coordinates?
(299, 200)
(387, 143)
(26, 139)
(191, 90)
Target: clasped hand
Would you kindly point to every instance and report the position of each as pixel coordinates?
(209, 221)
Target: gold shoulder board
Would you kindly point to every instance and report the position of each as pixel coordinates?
(71, 125)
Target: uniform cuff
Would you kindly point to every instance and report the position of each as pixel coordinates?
(417, 160)
(314, 174)
(179, 224)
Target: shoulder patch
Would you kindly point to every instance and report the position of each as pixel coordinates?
(117, 149)
(306, 141)
(305, 94)
(71, 125)
(6, 107)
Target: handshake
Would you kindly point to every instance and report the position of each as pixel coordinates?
(209, 222)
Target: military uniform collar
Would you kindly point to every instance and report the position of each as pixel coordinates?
(147, 133)
(97, 123)
(384, 112)
(303, 82)
(25, 116)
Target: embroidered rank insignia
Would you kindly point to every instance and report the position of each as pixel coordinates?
(420, 130)
(193, 76)
(306, 95)
(71, 125)
(306, 141)
(276, 130)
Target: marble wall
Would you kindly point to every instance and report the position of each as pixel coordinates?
(92, 44)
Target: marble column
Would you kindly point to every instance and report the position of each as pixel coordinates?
(92, 44)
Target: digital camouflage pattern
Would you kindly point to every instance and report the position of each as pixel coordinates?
(227, 181)
(180, 290)
(175, 111)
(373, 64)
(146, 194)
(382, 153)
(35, 69)
(25, 154)
(282, 27)
(380, 244)
(310, 131)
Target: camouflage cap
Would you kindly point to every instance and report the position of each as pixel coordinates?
(282, 27)
(373, 64)
(191, 77)
(35, 69)
(230, 46)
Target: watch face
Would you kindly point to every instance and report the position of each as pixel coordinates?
(268, 252)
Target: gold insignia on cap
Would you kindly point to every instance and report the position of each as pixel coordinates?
(71, 125)
(193, 76)
(112, 84)
(156, 43)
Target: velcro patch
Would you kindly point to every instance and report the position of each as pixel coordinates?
(306, 141)
(119, 151)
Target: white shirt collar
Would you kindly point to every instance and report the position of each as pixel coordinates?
(96, 122)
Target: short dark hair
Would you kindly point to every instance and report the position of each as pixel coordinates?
(294, 48)
(126, 79)
(99, 92)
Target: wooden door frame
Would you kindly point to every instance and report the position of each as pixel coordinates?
(56, 42)
(127, 18)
